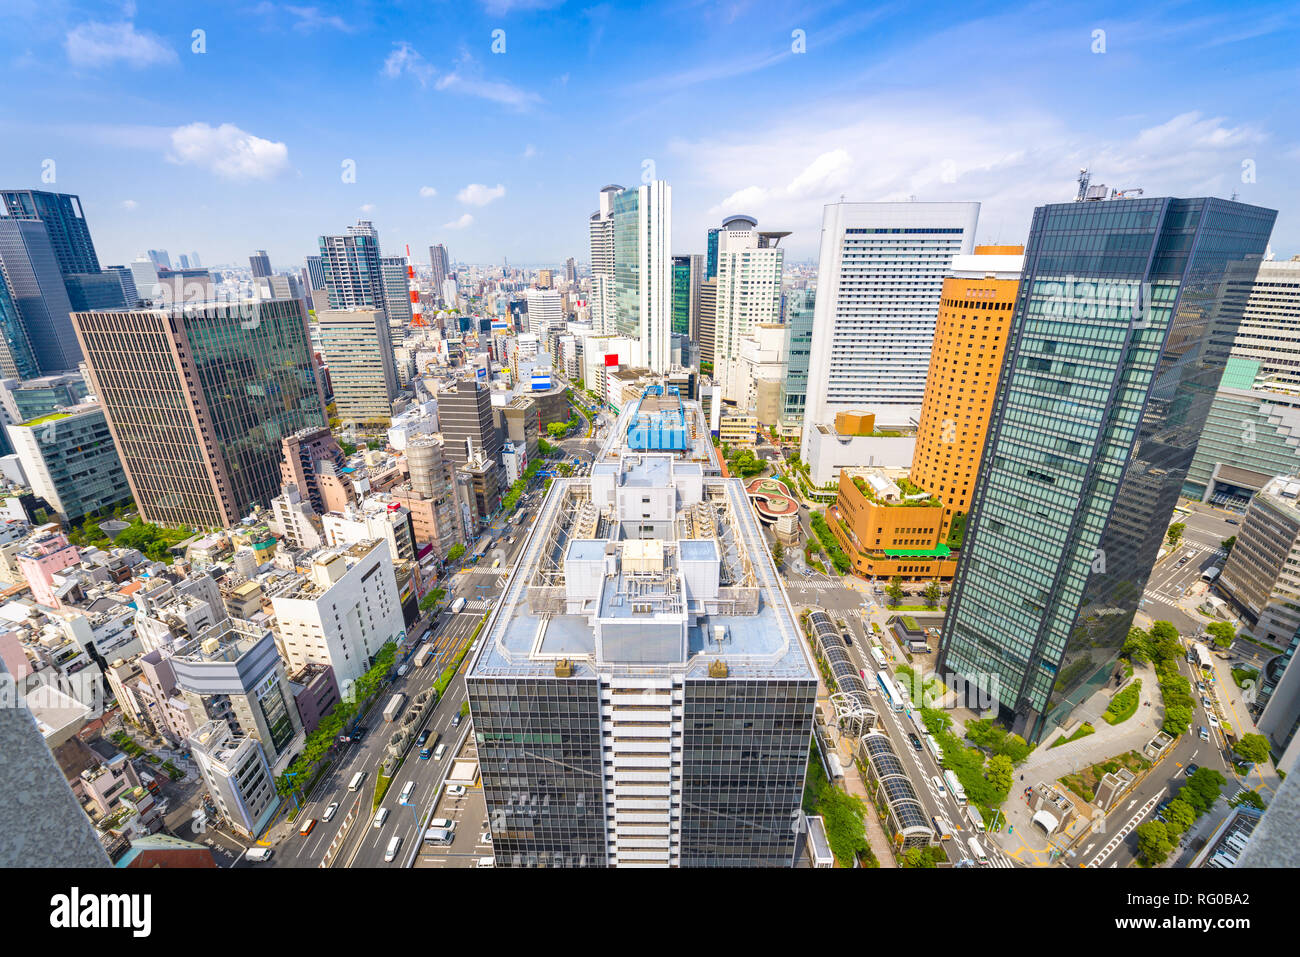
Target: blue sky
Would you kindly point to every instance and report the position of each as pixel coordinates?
(502, 154)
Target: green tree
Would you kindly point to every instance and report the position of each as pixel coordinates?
(999, 773)
(778, 553)
(1153, 842)
(1179, 816)
(1253, 748)
(932, 594)
(1248, 797)
(1175, 534)
(1178, 718)
(1227, 544)
(895, 590)
(1137, 646)
(1222, 632)
(456, 552)
(557, 429)
(916, 857)
(1202, 789)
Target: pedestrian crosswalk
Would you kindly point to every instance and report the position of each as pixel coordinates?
(477, 604)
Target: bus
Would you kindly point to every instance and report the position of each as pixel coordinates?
(892, 697)
(921, 729)
(977, 853)
(878, 656)
(457, 605)
(954, 788)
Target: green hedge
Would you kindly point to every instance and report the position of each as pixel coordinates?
(1125, 704)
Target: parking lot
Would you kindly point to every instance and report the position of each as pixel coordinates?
(468, 812)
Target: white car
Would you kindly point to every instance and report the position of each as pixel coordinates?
(1214, 722)
(455, 790)
(330, 811)
(485, 837)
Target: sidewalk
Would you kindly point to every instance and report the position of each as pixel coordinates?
(1021, 840)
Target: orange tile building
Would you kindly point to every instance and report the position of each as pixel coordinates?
(914, 537)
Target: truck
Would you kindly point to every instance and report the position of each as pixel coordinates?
(457, 605)
(423, 656)
(394, 706)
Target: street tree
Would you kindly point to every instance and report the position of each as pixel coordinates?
(1253, 748)
(895, 590)
(932, 594)
(1153, 842)
(1175, 534)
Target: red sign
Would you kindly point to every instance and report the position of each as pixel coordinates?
(611, 359)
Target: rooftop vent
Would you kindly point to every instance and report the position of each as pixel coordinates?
(564, 668)
(717, 668)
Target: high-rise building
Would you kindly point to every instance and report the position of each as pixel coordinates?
(194, 261)
(643, 281)
(687, 276)
(1107, 381)
(259, 262)
(95, 290)
(129, 293)
(397, 293)
(708, 320)
(312, 461)
(316, 274)
(642, 696)
(879, 277)
(441, 265)
(1262, 572)
(544, 312)
(70, 461)
(711, 256)
(750, 265)
(1251, 436)
(1269, 300)
(970, 341)
(570, 272)
(601, 236)
(185, 261)
(353, 274)
(432, 497)
(545, 279)
(1279, 697)
(198, 399)
(17, 360)
(797, 309)
(31, 270)
(468, 429)
(354, 344)
(64, 221)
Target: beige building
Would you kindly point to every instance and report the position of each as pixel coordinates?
(356, 347)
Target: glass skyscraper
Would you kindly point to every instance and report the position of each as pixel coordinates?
(61, 213)
(797, 313)
(1106, 384)
(198, 400)
(642, 289)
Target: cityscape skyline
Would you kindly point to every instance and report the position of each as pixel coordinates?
(777, 146)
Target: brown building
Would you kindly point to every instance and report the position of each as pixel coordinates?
(311, 459)
(198, 399)
(523, 424)
(970, 340)
(891, 527)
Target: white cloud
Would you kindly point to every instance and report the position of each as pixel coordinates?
(503, 93)
(310, 18)
(476, 194)
(465, 220)
(367, 207)
(530, 151)
(406, 59)
(496, 8)
(1010, 160)
(96, 44)
(228, 151)
(129, 204)
(428, 192)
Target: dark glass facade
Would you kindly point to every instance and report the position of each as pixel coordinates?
(539, 752)
(31, 268)
(1107, 381)
(681, 295)
(711, 257)
(797, 307)
(61, 213)
(744, 755)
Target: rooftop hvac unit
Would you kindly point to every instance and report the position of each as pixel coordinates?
(210, 646)
(719, 634)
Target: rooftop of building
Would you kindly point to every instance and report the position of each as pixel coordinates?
(695, 590)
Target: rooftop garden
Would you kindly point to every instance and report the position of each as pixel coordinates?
(906, 488)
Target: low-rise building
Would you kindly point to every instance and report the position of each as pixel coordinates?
(237, 776)
(887, 527)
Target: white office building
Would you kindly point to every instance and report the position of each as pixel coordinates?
(880, 274)
(342, 614)
(748, 293)
(643, 276)
(545, 311)
(601, 230)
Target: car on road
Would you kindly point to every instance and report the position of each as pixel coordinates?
(1233, 521)
(1200, 686)
(1206, 703)
(1183, 561)
(455, 790)
(485, 837)
(455, 719)
(848, 639)
(330, 812)
(1160, 811)
(1191, 769)
(380, 817)
(393, 846)
(1214, 721)
(916, 742)
(307, 826)
(1203, 733)
(259, 854)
